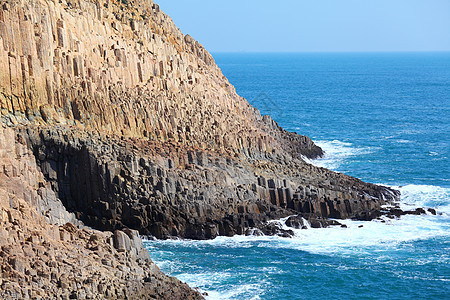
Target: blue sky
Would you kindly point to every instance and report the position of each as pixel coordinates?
(314, 25)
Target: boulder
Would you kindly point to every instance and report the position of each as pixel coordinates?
(122, 241)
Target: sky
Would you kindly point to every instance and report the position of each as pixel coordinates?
(314, 25)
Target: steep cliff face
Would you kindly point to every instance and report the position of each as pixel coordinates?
(127, 70)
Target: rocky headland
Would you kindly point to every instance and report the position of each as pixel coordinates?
(114, 124)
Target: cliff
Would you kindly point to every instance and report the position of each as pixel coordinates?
(44, 261)
(125, 69)
(128, 123)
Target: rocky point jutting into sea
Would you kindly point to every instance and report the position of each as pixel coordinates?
(115, 124)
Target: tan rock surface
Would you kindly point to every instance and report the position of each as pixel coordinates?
(43, 261)
(20, 176)
(123, 69)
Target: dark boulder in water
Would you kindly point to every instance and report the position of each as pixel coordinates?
(274, 228)
(296, 222)
(390, 212)
(432, 211)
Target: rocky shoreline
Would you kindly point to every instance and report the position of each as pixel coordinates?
(165, 191)
(114, 124)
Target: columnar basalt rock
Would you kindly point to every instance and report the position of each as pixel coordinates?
(112, 118)
(165, 190)
(41, 260)
(127, 70)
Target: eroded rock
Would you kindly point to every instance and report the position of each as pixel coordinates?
(41, 260)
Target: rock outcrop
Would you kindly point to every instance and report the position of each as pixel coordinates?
(163, 190)
(112, 118)
(39, 260)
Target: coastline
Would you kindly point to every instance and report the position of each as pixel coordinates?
(128, 126)
(330, 247)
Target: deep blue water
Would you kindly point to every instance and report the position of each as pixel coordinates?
(384, 118)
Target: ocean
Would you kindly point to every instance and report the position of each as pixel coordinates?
(381, 117)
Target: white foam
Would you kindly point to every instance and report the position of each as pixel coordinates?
(244, 291)
(383, 235)
(372, 236)
(403, 141)
(236, 291)
(376, 234)
(371, 241)
(353, 240)
(213, 278)
(306, 223)
(436, 197)
(337, 152)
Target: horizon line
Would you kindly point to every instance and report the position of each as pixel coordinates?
(328, 52)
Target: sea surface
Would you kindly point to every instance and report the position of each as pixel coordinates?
(381, 117)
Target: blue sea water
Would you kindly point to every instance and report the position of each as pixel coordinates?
(381, 117)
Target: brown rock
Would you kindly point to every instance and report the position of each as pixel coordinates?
(17, 263)
(121, 241)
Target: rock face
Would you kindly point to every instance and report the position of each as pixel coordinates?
(19, 175)
(122, 67)
(40, 260)
(112, 118)
(165, 190)
(133, 124)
